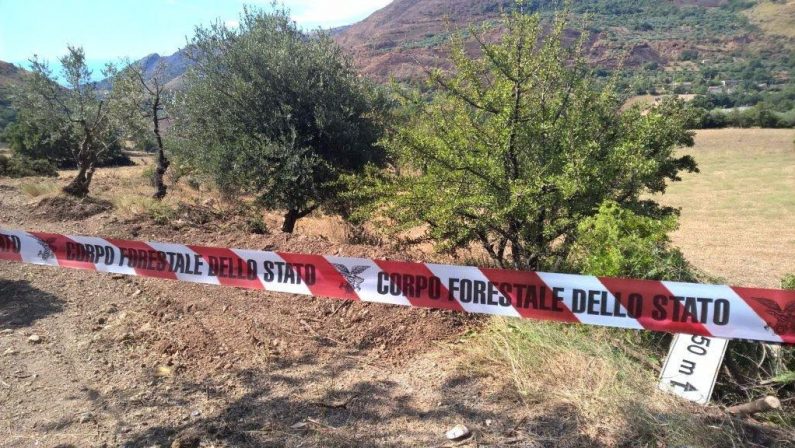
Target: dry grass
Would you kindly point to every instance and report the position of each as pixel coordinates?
(774, 17)
(650, 100)
(130, 205)
(738, 213)
(37, 189)
(580, 374)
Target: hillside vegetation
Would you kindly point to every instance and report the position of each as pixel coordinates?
(679, 39)
(10, 75)
(774, 17)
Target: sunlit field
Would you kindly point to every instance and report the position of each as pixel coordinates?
(738, 214)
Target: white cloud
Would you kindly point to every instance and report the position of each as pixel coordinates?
(231, 23)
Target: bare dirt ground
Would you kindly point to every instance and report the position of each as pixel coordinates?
(142, 362)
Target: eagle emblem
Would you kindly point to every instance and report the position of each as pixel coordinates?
(47, 248)
(785, 318)
(353, 281)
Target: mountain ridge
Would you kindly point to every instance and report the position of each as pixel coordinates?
(679, 39)
(406, 36)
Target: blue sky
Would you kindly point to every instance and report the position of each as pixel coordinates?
(112, 29)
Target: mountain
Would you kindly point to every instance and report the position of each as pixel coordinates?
(174, 66)
(679, 36)
(10, 75)
(696, 43)
(406, 35)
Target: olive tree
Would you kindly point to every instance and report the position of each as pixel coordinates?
(140, 102)
(272, 111)
(78, 109)
(519, 145)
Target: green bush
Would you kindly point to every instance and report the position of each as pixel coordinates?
(148, 173)
(689, 55)
(19, 166)
(788, 282)
(256, 225)
(618, 242)
(36, 141)
(161, 213)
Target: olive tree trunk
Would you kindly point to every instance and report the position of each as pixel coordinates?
(86, 164)
(162, 161)
(292, 216)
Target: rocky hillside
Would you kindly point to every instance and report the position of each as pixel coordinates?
(9, 75)
(174, 66)
(680, 35)
(670, 42)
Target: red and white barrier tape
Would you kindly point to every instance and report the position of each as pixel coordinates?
(708, 310)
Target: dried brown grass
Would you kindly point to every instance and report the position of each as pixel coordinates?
(582, 374)
(738, 213)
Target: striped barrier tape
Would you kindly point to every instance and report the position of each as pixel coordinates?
(674, 307)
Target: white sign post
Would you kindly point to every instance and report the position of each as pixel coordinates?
(692, 365)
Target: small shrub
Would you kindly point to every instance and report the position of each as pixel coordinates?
(19, 166)
(357, 234)
(195, 214)
(148, 173)
(143, 205)
(193, 182)
(131, 205)
(161, 213)
(617, 242)
(256, 225)
(788, 282)
(689, 55)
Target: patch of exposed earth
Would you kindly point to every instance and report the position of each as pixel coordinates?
(124, 361)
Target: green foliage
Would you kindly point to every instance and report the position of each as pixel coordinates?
(617, 242)
(518, 147)
(272, 111)
(784, 378)
(161, 213)
(20, 166)
(757, 116)
(37, 140)
(33, 140)
(7, 113)
(148, 173)
(747, 108)
(76, 110)
(689, 55)
(788, 282)
(255, 224)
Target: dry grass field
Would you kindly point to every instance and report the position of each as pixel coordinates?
(774, 17)
(738, 214)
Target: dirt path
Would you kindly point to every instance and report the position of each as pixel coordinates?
(143, 362)
(121, 367)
